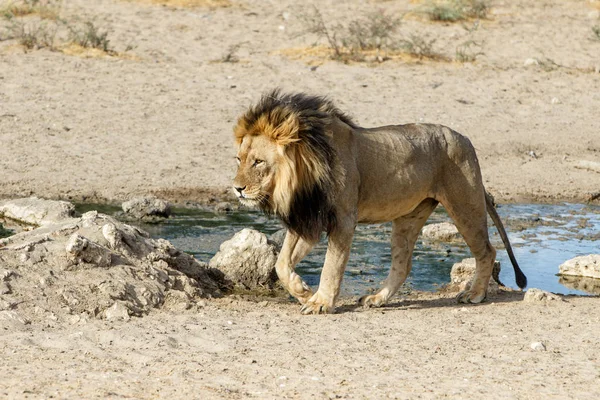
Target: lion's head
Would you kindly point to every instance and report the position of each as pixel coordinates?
(286, 164)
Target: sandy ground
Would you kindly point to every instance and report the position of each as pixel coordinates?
(159, 119)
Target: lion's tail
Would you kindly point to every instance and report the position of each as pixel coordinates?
(491, 209)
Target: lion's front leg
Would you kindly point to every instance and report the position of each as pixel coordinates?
(338, 251)
(294, 249)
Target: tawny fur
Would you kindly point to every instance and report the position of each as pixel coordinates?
(307, 162)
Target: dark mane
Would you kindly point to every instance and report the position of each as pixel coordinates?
(298, 122)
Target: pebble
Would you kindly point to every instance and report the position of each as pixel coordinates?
(538, 346)
(531, 61)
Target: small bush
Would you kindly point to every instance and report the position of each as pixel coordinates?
(371, 37)
(596, 32)
(89, 36)
(468, 51)
(48, 9)
(456, 10)
(419, 47)
(32, 35)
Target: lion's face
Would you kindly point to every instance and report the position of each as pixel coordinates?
(254, 182)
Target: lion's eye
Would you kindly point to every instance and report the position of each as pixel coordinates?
(257, 162)
(237, 159)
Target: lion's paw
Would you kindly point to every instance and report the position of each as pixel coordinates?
(369, 301)
(317, 305)
(469, 296)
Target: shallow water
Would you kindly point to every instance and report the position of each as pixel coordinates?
(543, 236)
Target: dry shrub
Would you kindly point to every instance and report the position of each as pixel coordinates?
(369, 38)
(45, 9)
(456, 10)
(189, 3)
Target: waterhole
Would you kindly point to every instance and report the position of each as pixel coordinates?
(543, 237)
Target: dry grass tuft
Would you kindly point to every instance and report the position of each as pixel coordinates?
(455, 10)
(44, 9)
(189, 3)
(372, 38)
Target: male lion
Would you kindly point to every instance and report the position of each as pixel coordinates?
(302, 159)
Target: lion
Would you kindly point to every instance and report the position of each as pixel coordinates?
(302, 159)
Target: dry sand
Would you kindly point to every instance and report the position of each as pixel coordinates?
(158, 119)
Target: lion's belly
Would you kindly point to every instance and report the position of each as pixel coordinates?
(397, 173)
(389, 206)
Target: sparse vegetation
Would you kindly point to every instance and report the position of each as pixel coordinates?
(456, 10)
(468, 51)
(36, 24)
(31, 35)
(89, 36)
(596, 32)
(373, 37)
(48, 9)
(420, 47)
(230, 55)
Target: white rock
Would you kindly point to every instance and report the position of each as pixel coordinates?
(444, 232)
(35, 211)
(118, 312)
(555, 100)
(247, 260)
(462, 273)
(531, 61)
(586, 266)
(534, 295)
(538, 346)
(79, 249)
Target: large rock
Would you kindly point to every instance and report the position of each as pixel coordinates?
(34, 211)
(462, 274)
(96, 266)
(442, 232)
(147, 208)
(248, 260)
(585, 266)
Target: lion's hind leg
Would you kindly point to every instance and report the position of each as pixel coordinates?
(470, 216)
(405, 231)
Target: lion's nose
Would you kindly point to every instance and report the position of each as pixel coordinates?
(239, 189)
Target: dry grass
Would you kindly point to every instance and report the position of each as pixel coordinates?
(189, 3)
(319, 54)
(371, 38)
(44, 9)
(36, 24)
(455, 10)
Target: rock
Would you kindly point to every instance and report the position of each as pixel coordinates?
(118, 312)
(585, 266)
(531, 61)
(97, 266)
(538, 346)
(80, 250)
(36, 211)
(443, 232)
(462, 273)
(534, 295)
(247, 260)
(147, 208)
